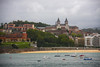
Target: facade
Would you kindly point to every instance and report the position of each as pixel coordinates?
(58, 25)
(79, 40)
(92, 40)
(17, 37)
(15, 33)
(41, 29)
(58, 32)
(6, 31)
(73, 28)
(21, 28)
(59, 28)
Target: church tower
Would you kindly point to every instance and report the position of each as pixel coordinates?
(66, 24)
(58, 24)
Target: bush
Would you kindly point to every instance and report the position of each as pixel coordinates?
(14, 46)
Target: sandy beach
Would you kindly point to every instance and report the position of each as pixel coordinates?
(64, 51)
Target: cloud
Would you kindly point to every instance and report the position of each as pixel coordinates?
(98, 11)
(83, 13)
(75, 9)
(35, 7)
(61, 11)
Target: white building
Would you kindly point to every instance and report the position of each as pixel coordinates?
(92, 40)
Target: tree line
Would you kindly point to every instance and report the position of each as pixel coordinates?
(20, 22)
(38, 24)
(46, 39)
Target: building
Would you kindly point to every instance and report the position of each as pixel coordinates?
(15, 33)
(41, 29)
(21, 28)
(6, 31)
(79, 41)
(58, 32)
(92, 40)
(16, 37)
(59, 28)
(73, 28)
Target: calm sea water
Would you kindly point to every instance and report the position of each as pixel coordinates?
(49, 60)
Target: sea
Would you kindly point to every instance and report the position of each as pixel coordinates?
(49, 60)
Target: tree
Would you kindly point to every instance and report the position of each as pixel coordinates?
(1, 27)
(46, 39)
(20, 22)
(73, 34)
(64, 42)
(71, 43)
(59, 28)
(62, 36)
(76, 35)
(79, 35)
(50, 38)
(32, 34)
(2, 33)
(40, 41)
(0, 41)
(14, 46)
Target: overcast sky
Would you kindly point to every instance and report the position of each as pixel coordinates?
(82, 13)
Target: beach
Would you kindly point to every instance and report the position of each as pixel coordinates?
(64, 51)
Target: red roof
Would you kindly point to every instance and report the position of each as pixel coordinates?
(14, 36)
(63, 28)
(11, 24)
(2, 37)
(18, 27)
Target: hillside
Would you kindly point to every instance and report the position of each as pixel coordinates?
(20, 22)
(97, 28)
(92, 30)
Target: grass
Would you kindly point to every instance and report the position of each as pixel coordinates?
(19, 44)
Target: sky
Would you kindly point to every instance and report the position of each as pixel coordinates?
(81, 13)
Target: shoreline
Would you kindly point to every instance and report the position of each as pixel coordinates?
(64, 51)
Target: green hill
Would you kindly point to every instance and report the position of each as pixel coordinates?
(37, 24)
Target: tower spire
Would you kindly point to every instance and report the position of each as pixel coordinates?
(66, 24)
(58, 24)
(58, 20)
(66, 20)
